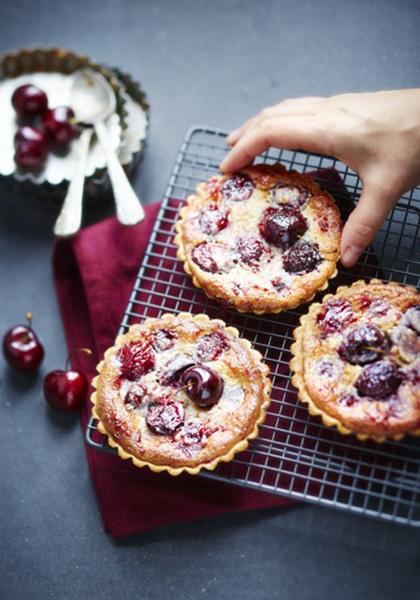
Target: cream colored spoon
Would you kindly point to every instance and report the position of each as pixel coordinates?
(93, 101)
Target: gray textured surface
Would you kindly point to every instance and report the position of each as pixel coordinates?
(200, 62)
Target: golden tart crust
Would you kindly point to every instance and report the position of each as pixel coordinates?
(248, 271)
(331, 352)
(205, 436)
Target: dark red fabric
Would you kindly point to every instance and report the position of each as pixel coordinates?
(94, 273)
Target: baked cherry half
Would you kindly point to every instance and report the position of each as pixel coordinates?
(281, 226)
(212, 257)
(165, 418)
(363, 345)
(203, 385)
(212, 219)
(379, 380)
(290, 194)
(303, 257)
(239, 187)
(29, 101)
(250, 250)
(137, 359)
(334, 316)
(211, 346)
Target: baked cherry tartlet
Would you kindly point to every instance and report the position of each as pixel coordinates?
(180, 393)
(262, 240)
(356, 360)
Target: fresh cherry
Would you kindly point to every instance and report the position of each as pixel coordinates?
(203, 385)
(239, 187)
(212, 219)
(363, 345)
(379, 380)
(165, 418)
(211, 257)
(301, 258)
(66, 389)
(58, 123)
(281, 226)
(290, 194)
(31, 148)
(22, 348)
(137, 359)
(30, 134)
(211, 346)
(29, 101)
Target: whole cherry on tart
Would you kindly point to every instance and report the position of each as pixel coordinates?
(65, 390)
(22, 348)
(31, 147)
(203, 385)
(59, 124)
(29, 101)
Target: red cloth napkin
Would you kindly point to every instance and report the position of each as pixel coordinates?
(94, 273)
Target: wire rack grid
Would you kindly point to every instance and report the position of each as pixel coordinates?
(295, 454)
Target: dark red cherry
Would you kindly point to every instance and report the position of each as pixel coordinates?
(290, 194)
(303, 257)
(65, 390)
(238, 187)
(22, 348)
(137, 359)
(29, 101)
(58, 124)
(30, 134)
(203, 385)
(211, 346)
(165, 418)
(212, 257)
(379, 380)
(250, 250)
(212, 219)
(31, 148)
(363, 345)
(334, 316)
(281, 226)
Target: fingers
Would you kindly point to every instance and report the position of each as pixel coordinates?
(291, 106)
(305, 133)
(364, 222)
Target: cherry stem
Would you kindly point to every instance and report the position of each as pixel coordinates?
(29, 318)
(85, 350)
(184, 387)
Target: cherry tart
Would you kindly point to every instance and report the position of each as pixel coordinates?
(262, 241)
(180, 393)
(356, 360)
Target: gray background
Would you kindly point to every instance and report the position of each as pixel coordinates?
(214, 63)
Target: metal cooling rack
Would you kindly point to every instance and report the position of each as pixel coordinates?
(294, 455)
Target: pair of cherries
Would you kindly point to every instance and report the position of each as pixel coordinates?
(57, 126)
(64, 390)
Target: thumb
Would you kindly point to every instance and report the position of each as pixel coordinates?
(364, 222)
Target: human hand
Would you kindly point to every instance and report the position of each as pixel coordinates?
(376, 134)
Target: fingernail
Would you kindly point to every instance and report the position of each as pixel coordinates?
(222, 165)
(232, 136)
(350, 255)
